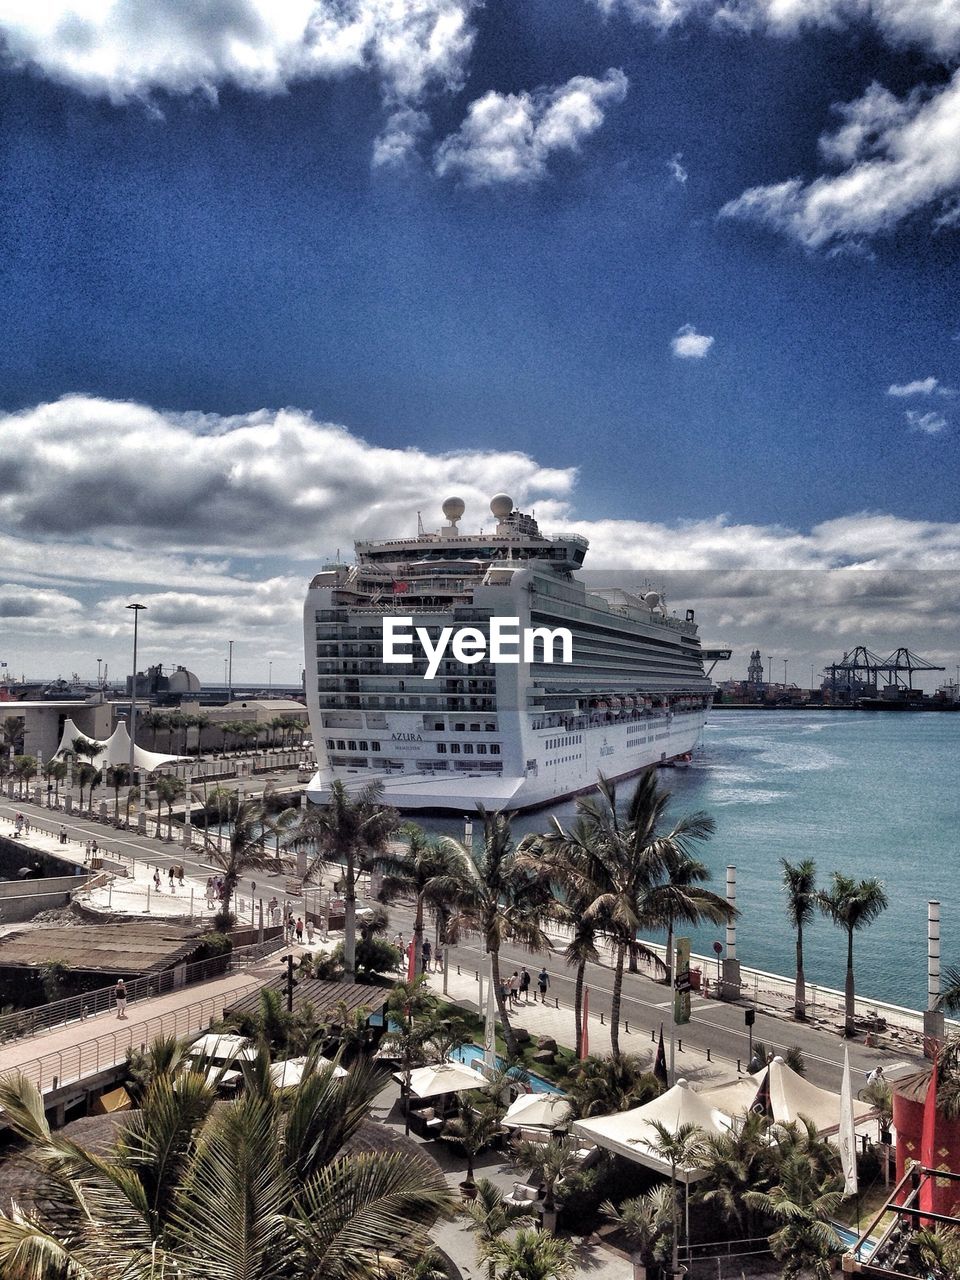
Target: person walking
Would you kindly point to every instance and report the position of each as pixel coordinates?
(156, 878)
(514, 987)
(120, 995)
(543, 981)
(309, 927)
(438, 960)
(63, 834)
(299, 929)
(525, 984)
(426, 951)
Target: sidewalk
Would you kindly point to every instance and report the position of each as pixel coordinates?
(548, 1020)
(79, 1051)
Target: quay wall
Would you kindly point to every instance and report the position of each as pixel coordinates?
(22, 899)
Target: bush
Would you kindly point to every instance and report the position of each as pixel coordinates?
(373, 956)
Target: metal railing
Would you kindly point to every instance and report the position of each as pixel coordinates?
(89, 1004)
(50, 1071)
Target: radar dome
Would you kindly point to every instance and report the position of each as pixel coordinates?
(501, 505)
(651, 599)
(453, 509)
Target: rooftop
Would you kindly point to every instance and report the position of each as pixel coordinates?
(123, 948)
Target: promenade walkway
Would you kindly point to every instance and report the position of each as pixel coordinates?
(82, 1050)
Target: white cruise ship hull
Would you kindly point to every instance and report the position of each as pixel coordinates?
(618, 750)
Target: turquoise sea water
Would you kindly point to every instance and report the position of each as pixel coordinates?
(866, 793)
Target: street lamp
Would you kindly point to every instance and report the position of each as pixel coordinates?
(133, 692)
(770, 669)
(230, 672)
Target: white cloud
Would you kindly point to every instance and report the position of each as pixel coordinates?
(132, 49)
(901, 158)
(400, 137)
(921, 387)
(509, 137)
(677, 170)
(217, 524)
(690, 345)
(930, 424)
(932, 25)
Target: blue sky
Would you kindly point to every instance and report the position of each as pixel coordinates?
(679, 273)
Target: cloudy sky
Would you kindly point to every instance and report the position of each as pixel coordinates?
(680, 274)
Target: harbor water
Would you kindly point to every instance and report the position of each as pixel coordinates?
(865, 793)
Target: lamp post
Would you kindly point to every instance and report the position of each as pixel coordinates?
(133, 712)
(770, 669)
(230, 671)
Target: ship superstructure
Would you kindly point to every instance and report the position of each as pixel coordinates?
(506, 735)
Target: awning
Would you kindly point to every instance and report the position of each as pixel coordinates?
(222, 1047)
(443, 1077)
(538, 1111)
(114, 1100)
(289, 1074)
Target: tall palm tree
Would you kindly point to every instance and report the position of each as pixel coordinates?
(348, 829)
(949, 999)
(502, 900)
(434, 872)
(11, 732)
(56, 771)
(85, 775)
(799, 883)
(681, 898)
(260, 1188)
(627, 856)
(683, 1148)
(852, 905)
(241, 853)
(169, 789)
(24, 768)
(118, 776)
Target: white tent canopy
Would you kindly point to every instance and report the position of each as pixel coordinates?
(791, 1096)
(631, 1133)
(222, 1048)
(538, 1111)
(444, 1077)
(116, 748)
(289, 1074)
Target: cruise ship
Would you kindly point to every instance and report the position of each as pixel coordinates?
(508, 735)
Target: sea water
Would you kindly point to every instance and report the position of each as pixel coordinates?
(870, 794)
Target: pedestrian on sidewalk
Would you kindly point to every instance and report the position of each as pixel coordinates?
(543, 981)
(120, 995)
(525, 984)
(398, 940)
(156, 878)
(211, 892)
(170, 873)
(309, 931)
(299, 929)
(514, 986)
(438, 960)
(63, 834)
(426, 952)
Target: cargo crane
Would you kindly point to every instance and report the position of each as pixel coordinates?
(857, 674)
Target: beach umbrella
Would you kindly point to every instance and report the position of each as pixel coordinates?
(443, 1077)
(538, 1111)
(221, 1046)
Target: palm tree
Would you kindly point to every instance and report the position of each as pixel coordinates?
(680, 897)
(800, 886)
(627, 857)
(501, 900)
(243, 852)
(949, 1000)
(490, 1217)
(11, 731)
(258, 1188)
(56, 770)
(169, 789)
(24, 768)
(852, 905)
(532, 1255)
(644, 1220)
(683, 1148)
(118, 775)
(803, 1202)
(432, 872)
(733, 1160)
(200, 721)
(473, 1127)
(154, 721)
(349, 829)
(549, 1162)
(85, 774)
(603, 1086)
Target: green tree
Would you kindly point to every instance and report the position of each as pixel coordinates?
(24, 768)
(549, 1163)
(169, 789)
(502, 900)
(348, 830)
(117, 777)
(799, 884)
(434, 873)
(490, 1217)
(645, 1221)
(532, 1255)
(802, 1202)
(604, 1085)
(239, 853)
(627, 856)
(259, 1188)
(852, 905)
(56, 771)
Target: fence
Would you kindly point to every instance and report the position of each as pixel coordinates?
(61, 1013)
(80, 1061)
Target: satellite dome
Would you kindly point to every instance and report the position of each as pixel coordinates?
(651, 599)
(501, 505)
(453, 509)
